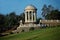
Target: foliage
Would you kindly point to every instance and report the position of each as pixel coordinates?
(44, 10)
(48, 12)
(47, 9)
(9, 21)
(32, 28)
(38, 20)
(55, 15)
(22, 15)
(2, 22)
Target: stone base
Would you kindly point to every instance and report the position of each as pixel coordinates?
(26, 29)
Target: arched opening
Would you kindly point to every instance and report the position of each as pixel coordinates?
(33, 12)
(33, 16)
(27, 15)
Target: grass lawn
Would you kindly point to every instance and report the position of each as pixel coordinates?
(41, 34)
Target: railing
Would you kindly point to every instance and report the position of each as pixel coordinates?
(49, 21)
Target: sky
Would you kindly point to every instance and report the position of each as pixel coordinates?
(18, 6)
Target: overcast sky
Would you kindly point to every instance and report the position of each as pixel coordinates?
(8, 6)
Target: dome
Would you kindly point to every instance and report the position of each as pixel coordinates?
(29, 7)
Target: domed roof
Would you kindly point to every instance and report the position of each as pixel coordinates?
(30, 7)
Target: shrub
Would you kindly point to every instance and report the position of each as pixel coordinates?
(22, 31)
(32, 28)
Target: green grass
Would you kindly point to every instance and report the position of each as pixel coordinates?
(41, 34)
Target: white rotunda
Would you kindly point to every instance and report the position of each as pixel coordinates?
(30, 14)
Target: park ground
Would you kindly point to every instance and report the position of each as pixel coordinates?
(40, 34)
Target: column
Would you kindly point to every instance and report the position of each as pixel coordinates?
(28, 17)
(25, 17)
(32, 16)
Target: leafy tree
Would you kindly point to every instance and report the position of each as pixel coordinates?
(38, 20)
(50, 8)
(55, 15)
(46, 10)
(10, 21)
(22, 15)
(2, 22)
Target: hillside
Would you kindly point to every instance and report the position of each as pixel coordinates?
(41, 34)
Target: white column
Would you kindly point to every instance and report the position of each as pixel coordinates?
(25, 17)
(28, 17)
(32, 16)
(35, 16)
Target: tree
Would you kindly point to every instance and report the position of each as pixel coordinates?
(55, 15)
(46, 10)
(2, 22)
(38, 20)
(10, 21)
(22, 15)
(50, 7)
